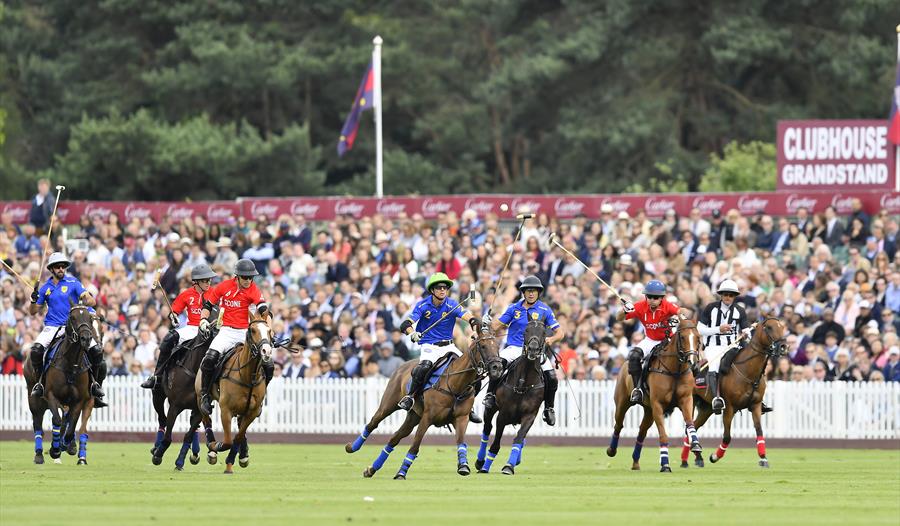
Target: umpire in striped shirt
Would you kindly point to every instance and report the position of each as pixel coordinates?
(720, 324)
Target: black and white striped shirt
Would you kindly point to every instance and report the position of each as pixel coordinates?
(715, 314)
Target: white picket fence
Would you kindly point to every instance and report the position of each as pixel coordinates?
(835, 410)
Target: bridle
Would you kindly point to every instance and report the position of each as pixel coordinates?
(256, 347)
(682, 354)
(773, 351)
(482, 362)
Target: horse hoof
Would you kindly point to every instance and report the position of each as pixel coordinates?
(57, 460)
(82, 462)
(508, 470)
(463, 469)
(228, 469)
(38, 459)
(55, 453)
(244, 462)
(212, 457)
(399, 476)
(72, 449)
(195, 459)
(713, 459)
(611, 451)
(479, 463)
(483, 471)
(179, 468)
(684, 464)
(665, 469)
(348, 447)
(369, 472)
(635, 467)
(157, 461)
(699, 462)
(697, 448)
(764, 463)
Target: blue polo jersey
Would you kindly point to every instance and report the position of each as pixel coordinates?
(57, 297)
(425, 313)
(516, 317)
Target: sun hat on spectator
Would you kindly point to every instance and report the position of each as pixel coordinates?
(140, 265)
(894, 350)
(864, 304)
(593, 354)
(134, 310)
(224, 241)
(842, 351)
(626, 259)
(623, 215)
(172, 237)
(316, 343)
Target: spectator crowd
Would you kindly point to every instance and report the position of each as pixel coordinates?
(340, 289)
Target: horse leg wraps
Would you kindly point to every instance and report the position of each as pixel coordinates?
(55, 437)
(462, 454)
(636, 454)
(488, 461)
(382, 457)
(482, 449)
(82, 446)
(614, 442)
(514, 454)
(685, 449)
(407, 463)
(195, 443)
(522, 450)
(358, 443)
(210, 436)
(760, 446)
(663, 453)
(39, 441)
(160, 433)
(720, 452)
(692, 433)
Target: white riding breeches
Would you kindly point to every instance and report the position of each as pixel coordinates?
(714, 354)
(432, 353)
(188, 332)
(646, 345)
(227, 338)
(512, 352)
(49, 331)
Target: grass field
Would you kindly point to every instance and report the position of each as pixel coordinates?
(292, 484)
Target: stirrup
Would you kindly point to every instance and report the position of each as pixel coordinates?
(550, 416)
(406, 403)
(99, 402)
(490, 401)
(474, 418)
(206, 404)
(718, 404)
(766, 409)
(150, 382)
(38, 389)
(637, 395)
(96, 390)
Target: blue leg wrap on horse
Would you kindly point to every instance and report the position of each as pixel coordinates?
(38, 440)
(82, 445)
(520, 453)
(407, 462)
(664, 453)
(358, 443)
(636, 454)
(160, 433)
(195, 443)
(487, 462)
(614, 443)
(56, 437)
(185, 446)
(382, 457)
(514, 454)
(210, 436)
(462, 453)
(482, 449)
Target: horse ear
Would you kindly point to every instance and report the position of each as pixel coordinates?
(71, 303)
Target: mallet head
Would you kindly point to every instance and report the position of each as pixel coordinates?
(60, 187)
(526, 215)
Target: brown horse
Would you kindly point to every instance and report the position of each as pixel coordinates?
(67, 388)
(670, 382)
(743, 386)
(448, 402)
(241, 390)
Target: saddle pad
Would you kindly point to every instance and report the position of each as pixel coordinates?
(54, 347)
(436, 373)
(223, 360)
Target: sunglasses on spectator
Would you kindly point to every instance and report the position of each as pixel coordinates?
(649, 297)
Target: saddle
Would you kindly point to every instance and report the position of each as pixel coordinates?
(179, 355)
(436, 371)
(220, 365)
(51, 354)
(519, 389)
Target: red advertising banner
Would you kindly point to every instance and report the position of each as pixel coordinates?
(846, 155)
(432, 207)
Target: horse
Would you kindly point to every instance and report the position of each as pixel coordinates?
(519, 398)
(67, 385)
(240, 390)
(177, 386)
(447, 402)
(743, 385)
(670, 383)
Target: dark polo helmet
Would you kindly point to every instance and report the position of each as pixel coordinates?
(245, 268)
(202, 271)
(531, 282)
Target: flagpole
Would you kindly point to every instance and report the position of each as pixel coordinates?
(897, 146)
(376, 71)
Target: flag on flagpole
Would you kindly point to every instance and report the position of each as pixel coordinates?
(894, 119)
(364, 100)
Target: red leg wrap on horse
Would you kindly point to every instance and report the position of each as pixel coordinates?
(720, 452)
(685, 450)
(761, 446)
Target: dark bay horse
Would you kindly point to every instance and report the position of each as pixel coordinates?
(671, 383)
(177, 386)
(519, 398)
(241, 390)
(66, 388)
(743, 386)
(448, 402)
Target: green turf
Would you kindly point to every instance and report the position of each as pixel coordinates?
(323, 485)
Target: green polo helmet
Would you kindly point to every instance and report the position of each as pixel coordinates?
(439, 277)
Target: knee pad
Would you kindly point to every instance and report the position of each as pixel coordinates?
(421, 371)
(37, 350)
(95, 354)
(551, 380)
(210, 359)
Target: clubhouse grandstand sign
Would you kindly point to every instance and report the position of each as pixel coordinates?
(841, 155)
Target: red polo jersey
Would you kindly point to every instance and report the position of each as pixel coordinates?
(655, 322)
(191, 300)
(235, 302)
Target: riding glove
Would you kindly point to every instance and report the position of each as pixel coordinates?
(173, 319)
(34, 295)
(204, 326)
(628, 306)
(415, 336)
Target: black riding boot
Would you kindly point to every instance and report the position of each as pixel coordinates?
(95, 355)
(165, 352)
(712, 384)
(551, 383)
(490, 398)
(37, 364)
(473, 417)
(207, 368)
(635, 369)
(419, 377)
(269, 370)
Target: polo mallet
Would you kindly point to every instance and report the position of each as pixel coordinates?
(59, 189)
(566, 378)
(738, 341)
(16, 274)
(521, 217)
(157, 284)
(469, 298)
(554, 241)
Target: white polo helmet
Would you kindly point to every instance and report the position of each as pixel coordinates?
(56, 258)
(728, 285)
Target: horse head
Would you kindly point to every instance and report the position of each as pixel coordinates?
(259, 340)
(687, 340)
(771, 337)
(486, 352)
(535, 340)
(80, 325)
